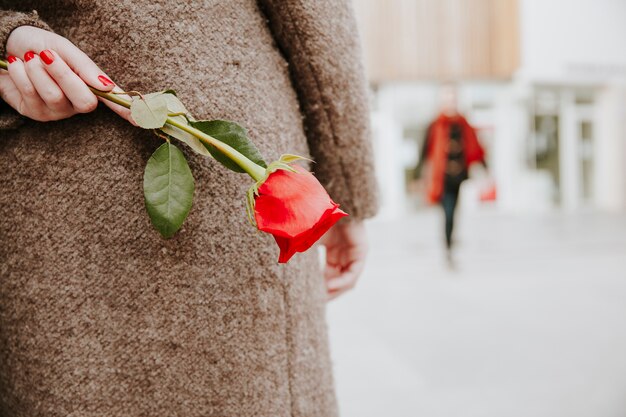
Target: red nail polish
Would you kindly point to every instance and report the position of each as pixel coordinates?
(11, 59)
(46, 56)
(28, 56)
(105, 81)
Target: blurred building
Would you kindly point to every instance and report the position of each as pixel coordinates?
(543, 81)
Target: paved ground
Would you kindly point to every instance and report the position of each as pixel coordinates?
(532, 323)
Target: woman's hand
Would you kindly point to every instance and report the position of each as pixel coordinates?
(346, 250)
(48, 76)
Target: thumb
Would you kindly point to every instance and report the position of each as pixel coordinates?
(83, 66)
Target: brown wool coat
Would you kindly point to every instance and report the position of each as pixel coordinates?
(99, 316)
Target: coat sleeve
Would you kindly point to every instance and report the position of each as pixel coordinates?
(319, 40)
(10, 20)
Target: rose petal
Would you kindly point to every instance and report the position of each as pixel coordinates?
(295, 209)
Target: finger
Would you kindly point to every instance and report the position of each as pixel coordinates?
(346, 280)
(29, 102)
(90, 73)
(348, 277)
(86, 70)
(357, 266)
(331, 271)
(331, 295)
(34, 39)
(74, 88)
(342, 254)
(83, 66)
(9, 91)
(339, 286)
(48, 90)
(120, 110)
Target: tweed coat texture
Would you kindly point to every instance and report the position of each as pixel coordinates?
(100, 316)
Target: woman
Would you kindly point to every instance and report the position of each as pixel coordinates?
(99, 316)
(451, 146)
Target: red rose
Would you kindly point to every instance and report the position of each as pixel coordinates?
(295, 209)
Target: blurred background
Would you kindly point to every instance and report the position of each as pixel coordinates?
(530, 318)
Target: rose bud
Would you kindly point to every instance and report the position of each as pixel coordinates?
(295, 209)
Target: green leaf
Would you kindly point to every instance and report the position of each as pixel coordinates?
(174, 105)
(150, 112)
(289, 158)
(168, 188)
(190, 140)
(231, 134)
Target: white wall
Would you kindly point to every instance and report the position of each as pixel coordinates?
(574, 43)
(573, 40)
(610, 148)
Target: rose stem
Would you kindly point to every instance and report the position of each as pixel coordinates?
(255, 171)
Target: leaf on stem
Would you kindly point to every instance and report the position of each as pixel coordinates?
(187, 138)
(149, 112)
(168, 187)
(174, 105)
(290, 158)
(233, 135)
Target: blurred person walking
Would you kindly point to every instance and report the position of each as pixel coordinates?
(450, 147)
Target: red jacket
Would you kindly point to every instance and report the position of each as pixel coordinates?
(437, 151)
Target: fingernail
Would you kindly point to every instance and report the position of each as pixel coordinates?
(46, 56)
(105, 81)
(11, 59)
(28, 56)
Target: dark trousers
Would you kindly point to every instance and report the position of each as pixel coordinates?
(448, 202)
